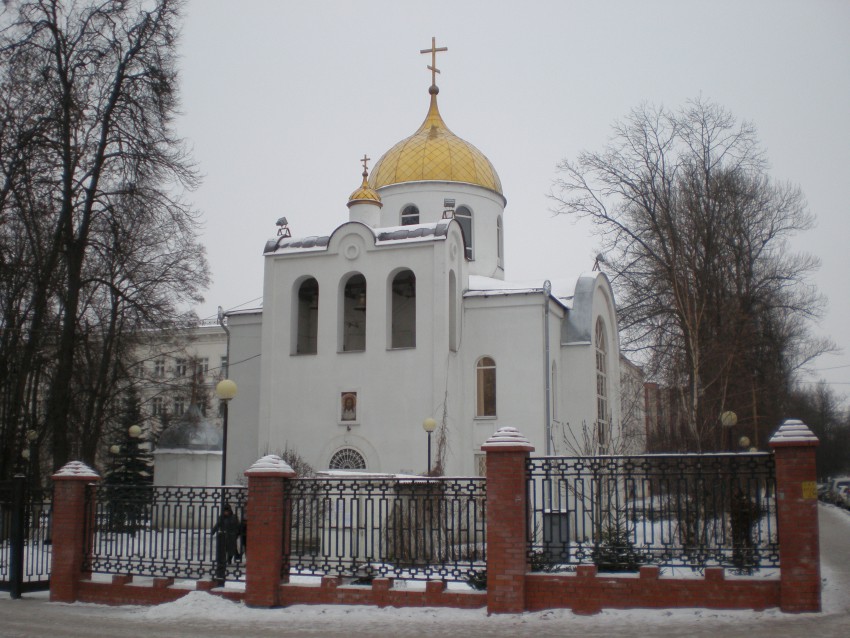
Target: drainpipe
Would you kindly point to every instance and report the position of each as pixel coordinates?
(547, 384)
(223, 324)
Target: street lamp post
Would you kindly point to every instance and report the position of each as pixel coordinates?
(225, 390)
(429, 425)
(728, 420)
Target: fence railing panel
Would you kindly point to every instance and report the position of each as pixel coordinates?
(368, 527)
(25, 537)
(620, 512)
(166, 531)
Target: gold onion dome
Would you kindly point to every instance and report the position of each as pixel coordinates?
(365, 193)
(434, 153)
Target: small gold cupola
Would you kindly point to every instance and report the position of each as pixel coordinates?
(365, 204)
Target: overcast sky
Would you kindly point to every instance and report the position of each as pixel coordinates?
(282, 98)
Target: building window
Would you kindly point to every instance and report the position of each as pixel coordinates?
(354, 314)
(403, 310)
(410, 215)
(159, 368)
(202, 367)
(307, 319)
(464, 217)
(500, 242)
(223, 365)
(485, 387)
(157, 406)
(602, 416)
(179, 407)
(347, 459)
(180, 367)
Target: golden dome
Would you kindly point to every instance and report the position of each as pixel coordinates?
(365, 193)
(434, 153)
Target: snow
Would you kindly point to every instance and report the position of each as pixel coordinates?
(793, 431)
(76, 469)
(270, 464)
(507, 437)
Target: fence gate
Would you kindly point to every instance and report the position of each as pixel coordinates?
(25, 537)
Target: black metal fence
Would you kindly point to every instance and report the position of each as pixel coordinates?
(166, 531)
(25, 537)
(417, 528)
(619, 513)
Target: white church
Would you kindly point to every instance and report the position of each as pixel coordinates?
(403, 313)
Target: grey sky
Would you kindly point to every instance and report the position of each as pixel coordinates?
(282, 98)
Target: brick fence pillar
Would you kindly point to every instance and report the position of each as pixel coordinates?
(267, 554)
(507, 558)
(794, 445)
(69, 529)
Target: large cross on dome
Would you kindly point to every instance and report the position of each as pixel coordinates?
(433, 66)
(365, 162)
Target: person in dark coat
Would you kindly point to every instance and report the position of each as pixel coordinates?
(229, 527)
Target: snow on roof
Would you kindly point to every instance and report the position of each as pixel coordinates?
(563, 290)
(793, 431)
(270, 463)
(76, 469)
(391, 234)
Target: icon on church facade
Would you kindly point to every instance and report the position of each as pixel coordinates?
(349, 407)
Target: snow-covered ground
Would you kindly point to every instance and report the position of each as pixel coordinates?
(202, 614)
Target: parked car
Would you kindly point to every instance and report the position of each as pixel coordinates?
(837, 486)
(843, 496)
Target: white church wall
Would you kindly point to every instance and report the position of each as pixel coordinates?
(243, 445)
(486, 207)
(510, 330)
(186, 467)
(301, 394)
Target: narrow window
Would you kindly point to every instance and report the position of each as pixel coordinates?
(157, 406)
(410, 215)
(453, 312)
(223, 366)
(179, 406)
(159, 368)
(601, 385)
(485, 374)
(500, 246)
(464, 217)
(347, 459)
(403, 309)
(180, 368)
(307, 317)
(354, 314)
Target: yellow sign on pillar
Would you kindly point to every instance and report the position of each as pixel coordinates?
(810, 490)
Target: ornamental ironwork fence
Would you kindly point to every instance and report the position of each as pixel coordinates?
(25, 536)
(171, 532)
(620, 512)
(406, 528)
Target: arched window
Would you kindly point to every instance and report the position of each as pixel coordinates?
(403, 309)
(464, 217)
(409, 215)
(354, 314)
(602, 416)
(307, 317)
(347, 459)
(485, 387)
(500, 242)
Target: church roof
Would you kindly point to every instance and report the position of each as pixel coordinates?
(562, 290)
(365, 193)
(415, 233)
(434, 153)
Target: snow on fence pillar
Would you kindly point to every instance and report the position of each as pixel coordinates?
(507, 559)
(70, 513)
(794, 445)
(268, 531)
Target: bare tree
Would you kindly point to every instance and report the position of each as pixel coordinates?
(695, 236)
(93, 180)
